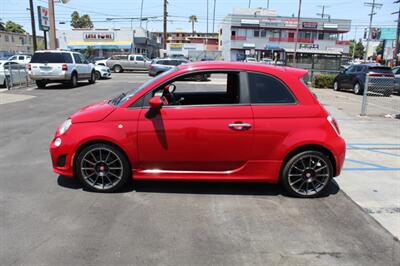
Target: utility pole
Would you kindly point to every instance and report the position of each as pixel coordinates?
(207, 27)
(52, 32)
(214, 17)
(141, 13)
(373, 5)
(249, 3)
(396, 49)
(267, 4)
(297, 34)
(33, 25)
(165, 25)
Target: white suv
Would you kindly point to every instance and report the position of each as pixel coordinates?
(50, 66)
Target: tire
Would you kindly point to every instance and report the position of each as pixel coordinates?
(41, 84)
(310, 171)
(102, 167)
(336, 86)
(118, 69)
(73, 82)
(98, 75)
(92, 79)
(387, 93)
(357, 88)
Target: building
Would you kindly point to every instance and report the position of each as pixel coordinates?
(17, 43)
(261, 33)
(196, 46)
(106, 42)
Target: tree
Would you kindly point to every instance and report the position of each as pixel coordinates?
(81, 22)
(192, 19)
(379, 49)
(359, 49)
(14, 27)
(89, 52)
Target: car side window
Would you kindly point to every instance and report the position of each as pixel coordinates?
(67, 58)
(20, 58)
(139, 58)
(269, 90)
(83, 59)
(205, 88)
(77, 59)
(350, 70)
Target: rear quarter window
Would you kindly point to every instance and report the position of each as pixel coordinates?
(48, 58)
(269, 90)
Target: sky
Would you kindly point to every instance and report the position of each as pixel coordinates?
(180, 10)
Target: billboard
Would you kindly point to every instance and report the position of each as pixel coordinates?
(44, 22)
(388, 34)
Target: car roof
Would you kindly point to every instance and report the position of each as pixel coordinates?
(54, 51)
(241, 66)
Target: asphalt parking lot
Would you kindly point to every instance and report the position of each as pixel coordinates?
(48, 219)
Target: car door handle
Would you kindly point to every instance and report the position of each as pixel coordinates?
(239, 126)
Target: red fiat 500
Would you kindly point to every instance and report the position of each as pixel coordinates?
(245, 122)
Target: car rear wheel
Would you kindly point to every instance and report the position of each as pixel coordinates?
(98, 75)
(118, 69)
(336, 86)
(102, 168)
(41, 84)
(387, 93)
(307, 174)
(73, 81)
(92, 78)
(357, 88)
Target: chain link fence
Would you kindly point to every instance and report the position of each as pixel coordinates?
(16, 76)
(377, 97)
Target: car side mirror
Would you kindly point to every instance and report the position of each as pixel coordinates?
(155, 102)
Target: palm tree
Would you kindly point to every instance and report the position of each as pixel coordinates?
(192, 19)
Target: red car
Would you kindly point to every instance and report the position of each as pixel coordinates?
(248, 122)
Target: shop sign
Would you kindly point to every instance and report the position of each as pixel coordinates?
(274, 21)
(176, 46)
(310, 25)
(98, 36)
(290, 22)
(250, 21)
(309, 46)
(44, 22)
(330, 26)
(272, 47)
(388, 34)
(249, 45)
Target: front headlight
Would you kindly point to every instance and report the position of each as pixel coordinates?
(64, 126)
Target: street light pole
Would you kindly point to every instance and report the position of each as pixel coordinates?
(297, 34)
(33, 25)
(52, 32)
(141, 13)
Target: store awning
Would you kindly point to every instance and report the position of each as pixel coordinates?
(99, 45)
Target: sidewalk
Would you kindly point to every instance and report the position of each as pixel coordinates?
(371, 174)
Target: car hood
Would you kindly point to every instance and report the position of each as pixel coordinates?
(93, 112)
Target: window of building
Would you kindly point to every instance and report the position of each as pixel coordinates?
(263, 33)
(12, 38)
(320, 36)
(256, 33)
(233, 33)
(269, 90)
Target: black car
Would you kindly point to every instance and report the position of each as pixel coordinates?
(353, 78)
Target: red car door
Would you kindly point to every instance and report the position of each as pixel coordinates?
(196, 137)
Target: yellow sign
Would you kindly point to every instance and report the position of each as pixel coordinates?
(176, 46)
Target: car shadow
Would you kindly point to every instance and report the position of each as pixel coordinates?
(61, 86)
(198, 187)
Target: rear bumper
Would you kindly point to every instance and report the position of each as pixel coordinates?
(50, 78)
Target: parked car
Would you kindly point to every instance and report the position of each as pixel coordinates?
(120, 63)
(53, 66)
(396, 72)
(264, 126)
(102, 71)
(158, 66)
(267, 61)
(102, 62)
(250, 60)
(11, 71)
(353, 78)
(20, 59)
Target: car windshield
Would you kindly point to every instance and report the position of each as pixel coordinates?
(123, 97)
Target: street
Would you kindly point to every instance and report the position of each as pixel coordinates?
(49, 219)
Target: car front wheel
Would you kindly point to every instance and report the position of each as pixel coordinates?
(98, 75)
(307, 174)
(102, 167)
(118, 69)
(357, 88)
(92, 78)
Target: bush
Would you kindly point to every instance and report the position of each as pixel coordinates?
(324, 81)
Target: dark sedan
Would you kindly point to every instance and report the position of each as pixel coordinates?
(160, 65)
(353, 78)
